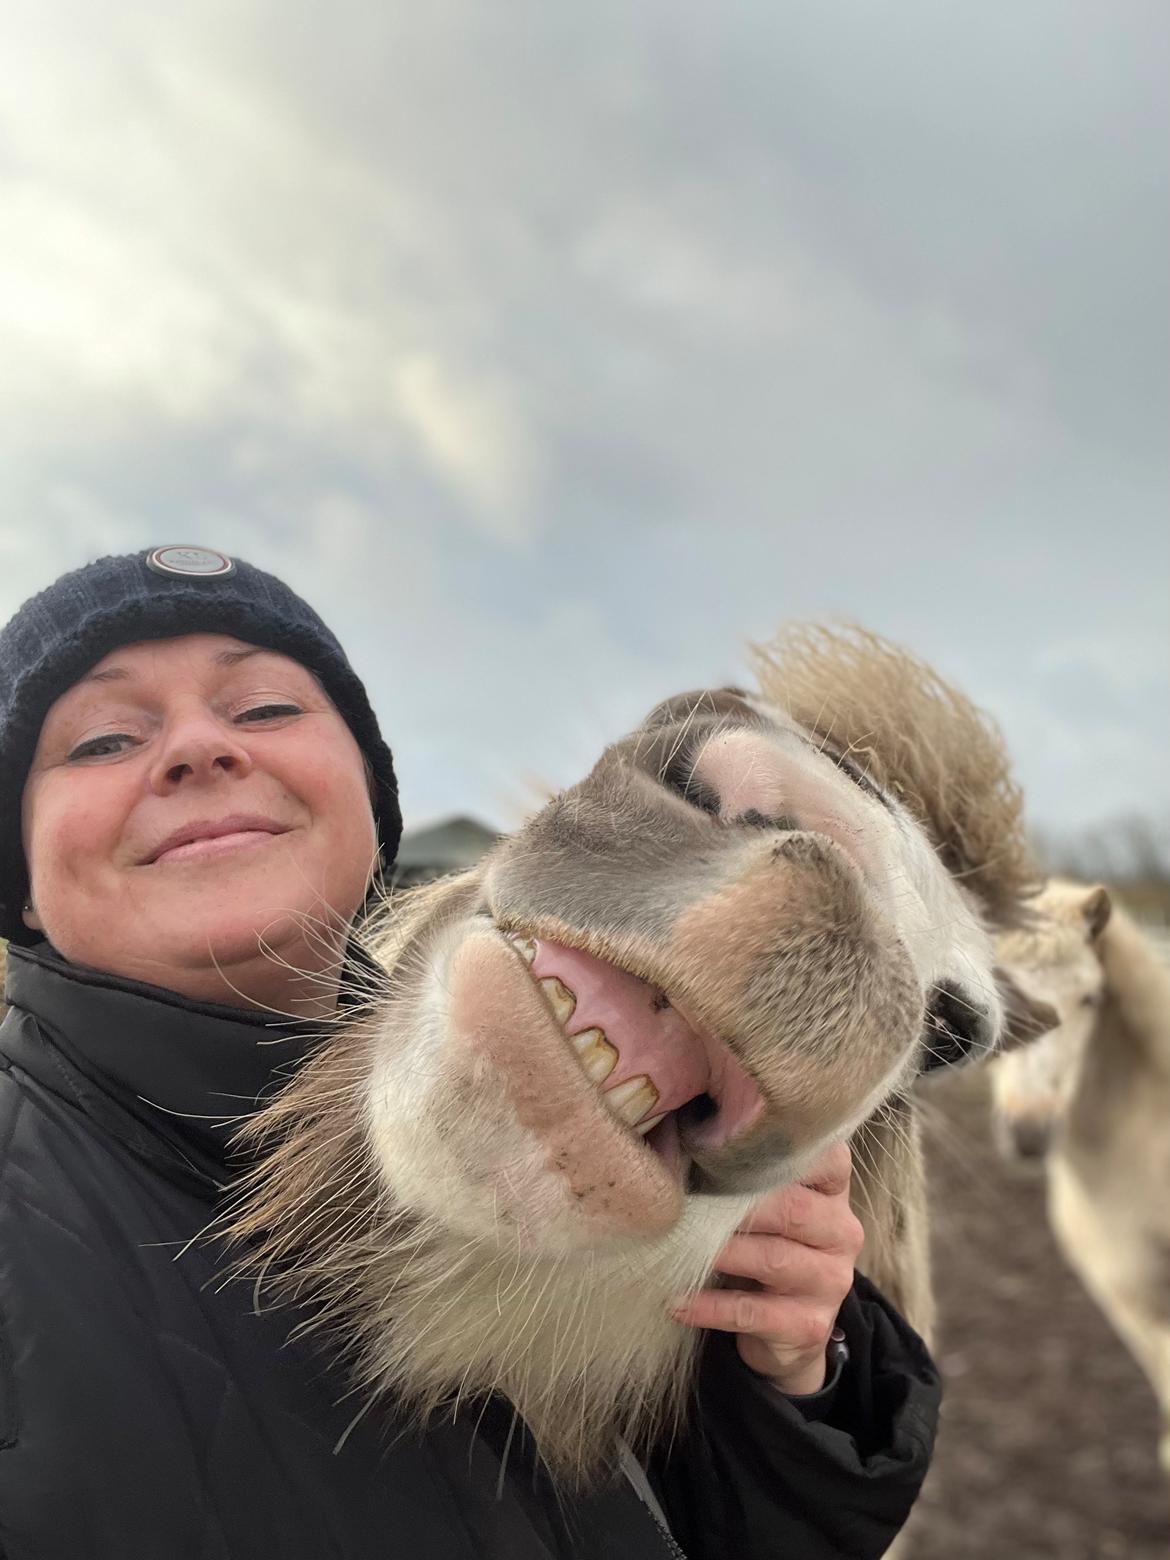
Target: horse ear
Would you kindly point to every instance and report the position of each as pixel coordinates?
(1096, 909)
(1025, 1017)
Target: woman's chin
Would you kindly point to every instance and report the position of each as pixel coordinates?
(283, 975)
(272, 942)
(262, 958)
(237, 918)
(234, 939)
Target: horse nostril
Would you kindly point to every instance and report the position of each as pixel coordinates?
(957, 1028)
(1030, 1138)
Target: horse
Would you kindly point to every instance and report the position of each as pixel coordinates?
(740, 938)
(1091, 1099)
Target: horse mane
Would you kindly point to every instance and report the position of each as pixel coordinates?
(921, 739)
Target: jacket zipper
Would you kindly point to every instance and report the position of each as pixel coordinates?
(668, 1538)
(636, 1477)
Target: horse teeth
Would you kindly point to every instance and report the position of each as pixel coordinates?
(649, 1123)
(630, 1100)
(595, 1054)
(559, 997)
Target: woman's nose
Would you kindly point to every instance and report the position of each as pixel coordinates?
(199, 748)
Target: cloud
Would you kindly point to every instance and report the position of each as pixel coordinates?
(555, 353)
(471, 434)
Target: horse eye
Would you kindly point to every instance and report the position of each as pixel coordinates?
(860, 778)
(854, 772)
(1089, 1000)
(679, 776)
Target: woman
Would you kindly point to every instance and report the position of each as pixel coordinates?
(195, 797)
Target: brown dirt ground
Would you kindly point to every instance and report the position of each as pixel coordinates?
(1048, 1439)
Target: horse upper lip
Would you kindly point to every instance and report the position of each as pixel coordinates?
(212, 828)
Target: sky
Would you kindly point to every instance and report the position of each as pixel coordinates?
(556, 353)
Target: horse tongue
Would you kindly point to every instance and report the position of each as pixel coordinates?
(649, 1035)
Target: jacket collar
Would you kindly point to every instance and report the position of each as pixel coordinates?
(183, 1072)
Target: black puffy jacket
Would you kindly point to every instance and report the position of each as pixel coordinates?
(146, 1412)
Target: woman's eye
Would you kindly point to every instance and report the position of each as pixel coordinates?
(101, 747)
(268, 712)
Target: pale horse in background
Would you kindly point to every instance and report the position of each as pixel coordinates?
(1093, 1098)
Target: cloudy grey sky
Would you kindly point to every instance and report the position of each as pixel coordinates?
(556, 351)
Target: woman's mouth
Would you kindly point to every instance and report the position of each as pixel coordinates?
(214, 846)
(207, 838)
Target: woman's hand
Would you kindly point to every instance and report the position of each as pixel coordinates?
(797, 1251)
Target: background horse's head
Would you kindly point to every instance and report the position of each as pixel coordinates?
(1056, 961)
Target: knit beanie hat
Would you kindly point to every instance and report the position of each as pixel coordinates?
(159, 594)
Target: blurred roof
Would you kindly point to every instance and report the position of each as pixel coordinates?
(445, 847)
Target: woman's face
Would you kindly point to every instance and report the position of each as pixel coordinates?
(188, 797)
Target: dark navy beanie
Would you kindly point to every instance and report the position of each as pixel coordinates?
(159, 594)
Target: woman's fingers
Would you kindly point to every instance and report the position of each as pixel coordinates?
(787, 1265)
(795, 1324)
(797, 1250)
(822, 1220)
(831, 1172)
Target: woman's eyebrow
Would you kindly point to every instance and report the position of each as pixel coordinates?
(234, 657)
(107, 674)
(220, 658)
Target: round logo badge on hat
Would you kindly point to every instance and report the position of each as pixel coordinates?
(201, 562)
